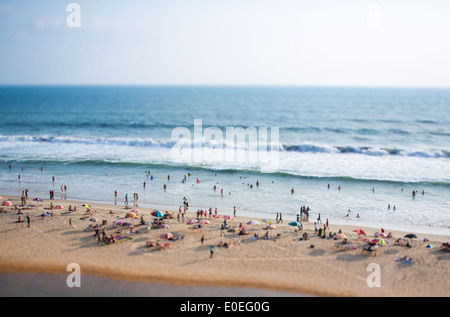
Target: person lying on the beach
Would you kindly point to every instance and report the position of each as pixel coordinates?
(243, 232)
(223, 244)
(176, 238)
(162, 246)
(109, 240)
(402, 242)
(256, 236)
(345, 247)
(150, 243)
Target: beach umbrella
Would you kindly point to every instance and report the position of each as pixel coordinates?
(340, 236)
(266, 220)
(93, 219)
(120, 222)
(295, 224)
(253, 222)
(271, 227)
(7, 203)
(86, 206)
(216, 216)
(411, 236)
(360, 232)
(38, 199)
(203, 221)
(136, 211)
(381, 241)
(229, 217)
(131, 215)
(167, 235)
(428, 246)
(190, 222)
(59, 207)
(157, 213)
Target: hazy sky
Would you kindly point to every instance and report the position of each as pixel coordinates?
(230, 42)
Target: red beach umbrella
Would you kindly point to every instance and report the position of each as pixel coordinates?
(360, 232)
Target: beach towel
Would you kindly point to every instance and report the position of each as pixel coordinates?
(403, 260)
(118, 239)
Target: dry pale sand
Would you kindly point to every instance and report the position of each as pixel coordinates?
(282, 263)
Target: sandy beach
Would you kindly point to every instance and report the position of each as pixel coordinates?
(284, 262)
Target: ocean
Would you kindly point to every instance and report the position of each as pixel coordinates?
(377, 145)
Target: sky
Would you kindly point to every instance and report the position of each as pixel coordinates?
(227, 42)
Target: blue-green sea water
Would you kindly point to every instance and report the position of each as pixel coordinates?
(377, 144)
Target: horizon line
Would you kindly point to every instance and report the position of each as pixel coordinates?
(220, 85)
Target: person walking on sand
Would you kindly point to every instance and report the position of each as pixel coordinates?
(278, 218)
(28, 221)
(202, 239)
(234, 212)
(211, 251)
(70, 222)
(318, 219)
(281, 218)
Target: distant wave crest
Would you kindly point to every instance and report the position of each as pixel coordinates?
(168, 144)
(366, 150)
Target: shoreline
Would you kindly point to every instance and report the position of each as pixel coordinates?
(283, 264)
(345, 222)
